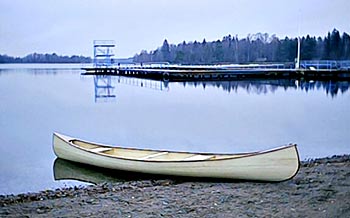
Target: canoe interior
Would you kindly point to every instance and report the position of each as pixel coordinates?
(150, 155)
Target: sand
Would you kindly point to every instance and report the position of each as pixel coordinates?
(320, 189)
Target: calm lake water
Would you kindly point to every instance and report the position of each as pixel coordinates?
(37, 100)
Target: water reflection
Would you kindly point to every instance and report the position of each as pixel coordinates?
(104, 86)
(145, 83)
(331, 88)
(270, 86)
(67, 170)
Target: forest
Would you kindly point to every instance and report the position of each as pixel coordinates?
(255, 48)
(258, 47)
(45, 58)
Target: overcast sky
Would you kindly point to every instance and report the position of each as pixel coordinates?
(69, 27)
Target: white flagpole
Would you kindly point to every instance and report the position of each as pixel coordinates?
(297, 63)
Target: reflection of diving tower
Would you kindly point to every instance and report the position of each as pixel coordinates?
(103, 52)
(104, 88)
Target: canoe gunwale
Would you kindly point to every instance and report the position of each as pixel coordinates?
(70, 141)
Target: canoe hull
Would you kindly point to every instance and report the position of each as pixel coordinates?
(274, 165)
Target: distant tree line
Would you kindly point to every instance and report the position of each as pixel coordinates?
(45, 58)
(254, 48)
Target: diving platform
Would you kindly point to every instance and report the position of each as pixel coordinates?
(103, 53)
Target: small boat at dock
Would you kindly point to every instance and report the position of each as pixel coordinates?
(273, 165)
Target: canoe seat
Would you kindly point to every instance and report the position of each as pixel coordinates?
(153, 155)
(100, 149)
(199, 157)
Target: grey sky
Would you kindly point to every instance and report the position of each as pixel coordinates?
(68, 27)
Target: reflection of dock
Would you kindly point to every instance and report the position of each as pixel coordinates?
(146, 83)
(166, 72)
(105, 85)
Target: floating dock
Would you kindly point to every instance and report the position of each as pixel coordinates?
(312, 70)
(167, 72)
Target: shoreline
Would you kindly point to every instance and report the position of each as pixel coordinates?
(321, 187)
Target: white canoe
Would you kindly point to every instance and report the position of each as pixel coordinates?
(277, 164)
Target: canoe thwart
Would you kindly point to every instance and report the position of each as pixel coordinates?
(199, 157)
(153, 155)
(100, 149)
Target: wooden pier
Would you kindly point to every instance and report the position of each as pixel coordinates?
(167, 72)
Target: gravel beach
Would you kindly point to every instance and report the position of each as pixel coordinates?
(320, 189)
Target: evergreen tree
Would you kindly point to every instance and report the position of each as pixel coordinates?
(308, 48)
(345, 55)
(335, 45)
(165, 51)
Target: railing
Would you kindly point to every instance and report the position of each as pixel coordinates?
(109, 43)
(307, 64)
(326, 64)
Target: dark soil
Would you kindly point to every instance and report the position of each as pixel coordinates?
(320, 189)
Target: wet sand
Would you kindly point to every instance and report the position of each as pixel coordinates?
(320, 189)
